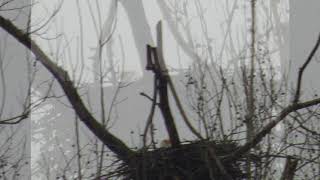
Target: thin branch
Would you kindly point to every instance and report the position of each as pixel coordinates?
(152, 110)
(78, 153)
(267, 129)
(182, 112)
(301, 69)
(16, 119)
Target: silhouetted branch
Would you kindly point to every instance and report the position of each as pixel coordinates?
(112, 142)
(301, 70)
(152, 110)
(267, 129)
(155, 62)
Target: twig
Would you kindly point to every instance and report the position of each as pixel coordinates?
(150, 117)
(301, 70)
(182, 112)
(266, 130)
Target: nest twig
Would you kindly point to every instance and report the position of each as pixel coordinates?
(188, 161)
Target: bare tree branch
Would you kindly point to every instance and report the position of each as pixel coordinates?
(111, 141)
(267, 129)
(163, 76)
(301, 70)
(152, 110)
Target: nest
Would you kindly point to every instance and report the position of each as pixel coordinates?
(186, 162)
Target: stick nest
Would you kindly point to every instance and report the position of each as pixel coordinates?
(186, 162)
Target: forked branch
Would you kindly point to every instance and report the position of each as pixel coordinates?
(294, 106)
(267, 129)
(303, 67)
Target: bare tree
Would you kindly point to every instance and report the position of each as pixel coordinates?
(236, 113)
